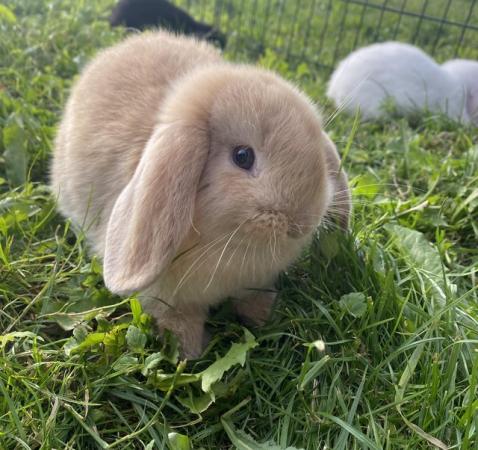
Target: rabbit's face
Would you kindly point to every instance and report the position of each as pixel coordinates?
(266, 179)
(238, 161)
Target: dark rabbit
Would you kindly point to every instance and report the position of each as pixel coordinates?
(143, 14)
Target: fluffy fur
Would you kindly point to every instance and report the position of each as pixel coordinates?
(466, 71)
(142, 14)
(143, 164)
(401, 73)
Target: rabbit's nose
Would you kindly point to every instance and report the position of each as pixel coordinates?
(269, 220)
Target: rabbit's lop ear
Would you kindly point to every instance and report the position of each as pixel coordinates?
(154, 212)
(340, 206)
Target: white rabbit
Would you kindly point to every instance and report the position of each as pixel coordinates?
(195, 179)
(467, 72)
(395, 72)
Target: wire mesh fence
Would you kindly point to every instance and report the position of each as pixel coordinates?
(320, 32)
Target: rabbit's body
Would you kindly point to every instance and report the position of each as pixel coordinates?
(466, 71)
(399, 73)
(90, 169)
(143, 164)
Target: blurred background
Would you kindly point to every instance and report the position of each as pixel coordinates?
(320, 32)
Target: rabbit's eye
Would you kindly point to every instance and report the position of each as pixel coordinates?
(243, 157)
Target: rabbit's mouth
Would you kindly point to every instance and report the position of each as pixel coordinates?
(271, 222)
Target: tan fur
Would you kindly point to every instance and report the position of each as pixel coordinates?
(256, 309)
(342, 202)
(143, 164)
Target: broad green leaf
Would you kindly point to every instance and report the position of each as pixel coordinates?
(151, 362)
(164, 381)
(81, 332)
(196, 403)
(110, 340)
(70, 345)
(125, 362)
(7, 15)
(115, 339)
(420, 255)
(6, 338)
(16, 156)
(329, 243)
(354, 303)
(366, 185)
(102, 323)
(179, 442)
(73, 346)
(236, 355)
(135, 339)
(95, 266)
(136, 310)
(81, 309)
(68, 322)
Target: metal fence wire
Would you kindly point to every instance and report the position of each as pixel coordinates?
(321, 32)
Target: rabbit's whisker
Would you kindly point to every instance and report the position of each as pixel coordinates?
(244, 257)
(274, 253)
(269, 241)
(254, 263)
(205, 258)
(223, 252)
(205, 249)
(347, 100)
(235, 250)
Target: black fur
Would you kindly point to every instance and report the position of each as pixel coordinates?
(143, 14)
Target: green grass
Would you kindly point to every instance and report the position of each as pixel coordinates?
(395, 302)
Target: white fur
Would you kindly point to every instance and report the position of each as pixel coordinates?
(466, 71)
(393, 71)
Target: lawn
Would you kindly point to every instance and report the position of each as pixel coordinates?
(373, 343)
